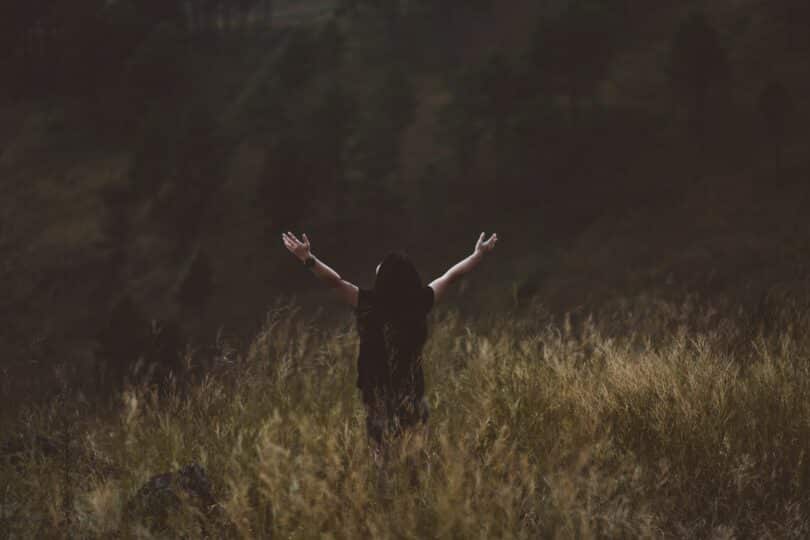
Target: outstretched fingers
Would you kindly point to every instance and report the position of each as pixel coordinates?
(292, 245)
(489, 244)
(291, 236)
(486, 245)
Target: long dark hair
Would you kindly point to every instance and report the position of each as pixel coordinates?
(399, 307)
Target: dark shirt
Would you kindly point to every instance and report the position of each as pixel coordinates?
(390, 358)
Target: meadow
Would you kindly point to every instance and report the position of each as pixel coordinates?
(663, 421)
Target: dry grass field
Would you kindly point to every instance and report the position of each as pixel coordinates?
(538, 430)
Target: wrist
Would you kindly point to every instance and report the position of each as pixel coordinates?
(306, 260)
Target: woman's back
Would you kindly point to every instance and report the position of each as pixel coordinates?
(390, 356)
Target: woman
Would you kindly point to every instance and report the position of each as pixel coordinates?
(391, 321)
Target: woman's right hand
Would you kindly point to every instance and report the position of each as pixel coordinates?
(484, 247)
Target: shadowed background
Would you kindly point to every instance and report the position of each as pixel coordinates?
(151, 153)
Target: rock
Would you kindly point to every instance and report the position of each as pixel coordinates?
(168, 494)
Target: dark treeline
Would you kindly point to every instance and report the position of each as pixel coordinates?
(56, 48)
(524, 137)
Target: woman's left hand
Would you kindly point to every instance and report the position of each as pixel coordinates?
(295, 246)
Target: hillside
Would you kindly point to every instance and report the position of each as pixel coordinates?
(610, 213)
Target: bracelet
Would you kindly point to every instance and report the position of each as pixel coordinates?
(309, 262)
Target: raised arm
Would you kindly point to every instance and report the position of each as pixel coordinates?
(482, 247)
(347, 291)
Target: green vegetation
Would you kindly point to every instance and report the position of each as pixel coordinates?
(537, 430)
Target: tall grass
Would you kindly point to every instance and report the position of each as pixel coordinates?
(537, 430)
